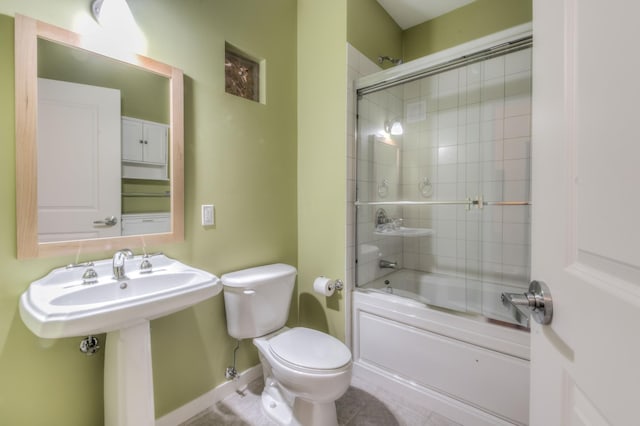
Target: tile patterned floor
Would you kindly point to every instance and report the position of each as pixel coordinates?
(363, 404)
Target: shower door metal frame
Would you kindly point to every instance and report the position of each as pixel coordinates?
(498, 44)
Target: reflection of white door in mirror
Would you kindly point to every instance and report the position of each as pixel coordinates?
(73, 194)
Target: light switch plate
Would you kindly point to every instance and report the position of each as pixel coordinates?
(208, 215)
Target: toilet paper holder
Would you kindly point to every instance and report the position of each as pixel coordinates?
(327, 286)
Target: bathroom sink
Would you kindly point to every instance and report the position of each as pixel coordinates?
(61, 304)
(87, 299)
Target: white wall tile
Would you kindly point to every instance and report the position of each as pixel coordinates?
(518, 61)
(517, 127)
(517, 148)
(516, 169)
(448, 136)
(516, 233)
(447, 155)
(447, 173)
(448, 118)
(448, 80)
(517, 190)
(493, 68)
(492, 89)
(516, 254)
(492, 130)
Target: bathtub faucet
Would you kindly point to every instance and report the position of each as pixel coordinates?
(387, 264)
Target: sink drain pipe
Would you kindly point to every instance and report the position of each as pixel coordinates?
(89, 345)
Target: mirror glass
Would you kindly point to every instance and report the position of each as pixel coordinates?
(100, 154)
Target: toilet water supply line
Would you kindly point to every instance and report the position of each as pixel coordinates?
(231, 373)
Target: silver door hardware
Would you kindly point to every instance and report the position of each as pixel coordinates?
(537, 299)
(108, 221)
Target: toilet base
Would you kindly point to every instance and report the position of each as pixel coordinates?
(312, 414)
(278, 407)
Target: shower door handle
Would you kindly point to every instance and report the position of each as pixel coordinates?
(537, 299)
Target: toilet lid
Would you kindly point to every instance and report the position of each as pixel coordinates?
(310, 348)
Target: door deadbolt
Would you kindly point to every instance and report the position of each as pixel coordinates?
(537, 299)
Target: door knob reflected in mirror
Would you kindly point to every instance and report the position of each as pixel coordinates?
(537, 299)
(108, 221)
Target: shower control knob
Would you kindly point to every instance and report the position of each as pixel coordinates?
(537, 299)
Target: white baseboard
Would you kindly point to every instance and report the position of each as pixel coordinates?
(210, 398)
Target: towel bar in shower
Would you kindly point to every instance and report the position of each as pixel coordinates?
(478, 202)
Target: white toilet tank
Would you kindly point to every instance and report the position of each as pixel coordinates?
(257, 300)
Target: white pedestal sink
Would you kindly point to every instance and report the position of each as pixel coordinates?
(62, 304)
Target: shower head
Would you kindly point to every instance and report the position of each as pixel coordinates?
(394, 61)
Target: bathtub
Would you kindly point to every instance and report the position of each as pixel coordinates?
(451, 292)
(473, 370)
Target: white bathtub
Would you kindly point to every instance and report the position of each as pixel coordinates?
(451, 292)
(463, 366)
(434, 289)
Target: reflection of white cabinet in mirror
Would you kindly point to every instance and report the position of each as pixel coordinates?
(144, 149)
(146, 223)
(73, 193)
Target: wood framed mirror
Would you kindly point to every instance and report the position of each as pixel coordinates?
(29, 35)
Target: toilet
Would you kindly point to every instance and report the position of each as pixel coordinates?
(305, 370)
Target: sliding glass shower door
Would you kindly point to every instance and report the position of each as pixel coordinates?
(443, 184)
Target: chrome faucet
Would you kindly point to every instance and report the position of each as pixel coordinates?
(118, 263)
(388, 264)
(386, 223)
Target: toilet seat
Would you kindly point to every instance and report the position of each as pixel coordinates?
(304, 348)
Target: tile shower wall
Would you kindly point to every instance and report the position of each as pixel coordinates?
(466, 133)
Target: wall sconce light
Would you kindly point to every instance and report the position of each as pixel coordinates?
(96, 8)
(113, 31)
(393, 127)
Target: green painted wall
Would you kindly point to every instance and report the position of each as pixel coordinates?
(239, 155)
(372, 31)
(478, 19)
(143, 94)
(145, 204)
(322, 91)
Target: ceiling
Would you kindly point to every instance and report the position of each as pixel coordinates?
(408, 13)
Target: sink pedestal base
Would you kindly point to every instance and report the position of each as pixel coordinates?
(128, 378)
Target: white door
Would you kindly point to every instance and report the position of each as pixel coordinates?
(585, 365)
(78, 161)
